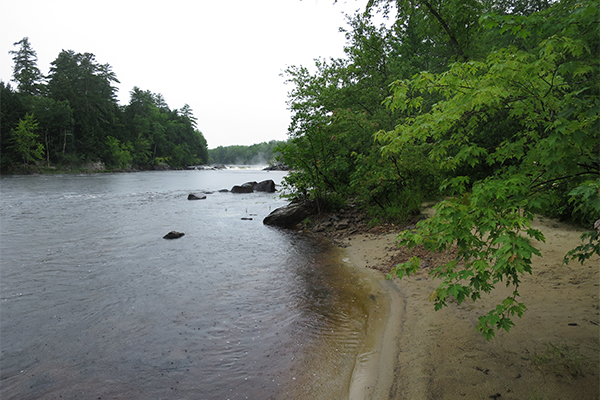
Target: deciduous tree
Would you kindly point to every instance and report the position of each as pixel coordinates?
(550, 93)
(25, 140)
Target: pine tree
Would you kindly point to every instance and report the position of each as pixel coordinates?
(25, 71)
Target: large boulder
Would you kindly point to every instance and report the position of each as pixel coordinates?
(242, 189)
(290, 215)
(265, 186)
(247, 187)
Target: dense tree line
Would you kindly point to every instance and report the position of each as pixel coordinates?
(492, 105)
(256, 154)
(71, 117)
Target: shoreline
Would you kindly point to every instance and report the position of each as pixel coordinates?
(373, 376)
(418, 353)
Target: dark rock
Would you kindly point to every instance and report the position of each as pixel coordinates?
(247, 187)
(192, 196)
(173, 235)
(242, 189)
(246, 219)
(197, 167)
(265, 186)
(290, 215)
(277, 167)
(223, 190)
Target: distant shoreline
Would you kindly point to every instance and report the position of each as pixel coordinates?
(98, 168)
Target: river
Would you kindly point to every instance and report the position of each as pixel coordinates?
(95, 304)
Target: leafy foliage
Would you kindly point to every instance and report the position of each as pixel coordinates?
(494, 105)
(550, 93)
(25, 140)
(336, 112)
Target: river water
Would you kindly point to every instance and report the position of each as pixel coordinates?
(95, 304)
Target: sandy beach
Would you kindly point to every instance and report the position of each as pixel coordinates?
(418, 353)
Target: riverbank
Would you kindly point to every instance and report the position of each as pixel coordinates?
(551, 353)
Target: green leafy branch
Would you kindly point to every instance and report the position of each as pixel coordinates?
(491, 231)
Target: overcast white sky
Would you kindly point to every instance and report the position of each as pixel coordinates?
(222, 57)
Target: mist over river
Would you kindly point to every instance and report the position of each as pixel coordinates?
(95, 304)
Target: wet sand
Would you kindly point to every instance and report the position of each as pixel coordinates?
(415, 352)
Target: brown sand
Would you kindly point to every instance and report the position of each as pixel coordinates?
(418, 353)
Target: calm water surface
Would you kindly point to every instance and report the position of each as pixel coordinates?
(96, 304)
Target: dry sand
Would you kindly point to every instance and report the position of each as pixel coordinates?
(418, 353)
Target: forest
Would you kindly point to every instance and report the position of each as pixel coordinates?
(490, 107)
(257, 154)
(71, 117)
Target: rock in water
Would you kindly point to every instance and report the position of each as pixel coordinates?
(242, 189)
(290, 215)
(265, 186)
(192, 196)
(173, 235)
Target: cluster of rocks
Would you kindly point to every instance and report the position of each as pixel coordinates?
(277, 167)
(206, 167)
(248, 187)
(304, 215)
(336, 226)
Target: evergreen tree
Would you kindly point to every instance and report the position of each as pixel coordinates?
(11, 111)
(25, 70)
(88, 88)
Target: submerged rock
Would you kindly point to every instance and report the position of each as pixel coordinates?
(192, 196)
(173, 235)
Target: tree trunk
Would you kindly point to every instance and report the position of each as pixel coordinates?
(446, 28)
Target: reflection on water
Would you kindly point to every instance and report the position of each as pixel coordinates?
(95, 304)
